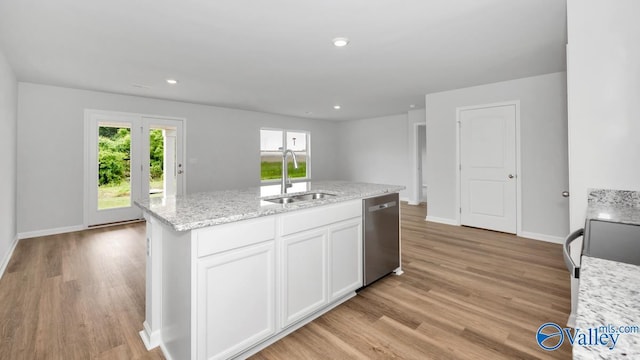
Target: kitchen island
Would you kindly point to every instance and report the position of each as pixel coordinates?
(230, 272)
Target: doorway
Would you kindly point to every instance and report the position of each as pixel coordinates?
(488, 166)
(419, 194)
(129, 157)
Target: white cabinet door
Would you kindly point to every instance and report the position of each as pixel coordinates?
(236, 300)
(304, 274)
(345, 258)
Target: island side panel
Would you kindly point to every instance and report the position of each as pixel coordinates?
(153, 283)
(176, 293)
(168, 289)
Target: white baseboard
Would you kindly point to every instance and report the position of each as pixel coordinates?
(442, 220)
(150, 339)
(47, 232)
(7, 257)
(542, 237)
(571, 322)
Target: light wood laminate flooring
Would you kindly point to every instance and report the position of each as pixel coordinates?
(466, 294)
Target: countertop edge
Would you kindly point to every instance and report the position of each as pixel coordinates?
(268, 211)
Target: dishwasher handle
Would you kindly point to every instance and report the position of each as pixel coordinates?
(387, 205)
(571, 265)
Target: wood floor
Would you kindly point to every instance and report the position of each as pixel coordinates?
(76, 296)
(466, 294)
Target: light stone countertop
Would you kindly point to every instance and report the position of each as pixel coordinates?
(618, 206)
(199, 210)
(609, 295)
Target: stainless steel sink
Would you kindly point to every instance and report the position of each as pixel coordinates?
(287, 199)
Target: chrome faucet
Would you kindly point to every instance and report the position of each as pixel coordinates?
(286, 182)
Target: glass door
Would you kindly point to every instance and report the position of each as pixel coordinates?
(129, 158)
(163, 151)
(114, 169)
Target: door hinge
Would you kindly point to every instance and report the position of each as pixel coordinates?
(460, 210)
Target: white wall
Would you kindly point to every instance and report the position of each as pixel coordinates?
(543, 150)
(375, 150)
(222, 148)
(603, 57)
(8, 119)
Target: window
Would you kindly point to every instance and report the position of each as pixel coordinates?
(271, 141)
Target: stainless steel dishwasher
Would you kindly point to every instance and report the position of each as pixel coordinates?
(381, 234)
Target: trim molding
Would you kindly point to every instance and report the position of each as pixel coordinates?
(442, 220)
(571, 322)
(542, 237)
(150, 339)
(7, 257)
(46, 232)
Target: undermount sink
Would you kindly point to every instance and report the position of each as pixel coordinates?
(287, 199)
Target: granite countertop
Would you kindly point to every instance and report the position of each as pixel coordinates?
(614, 205)
(609, 295)
(199, 210)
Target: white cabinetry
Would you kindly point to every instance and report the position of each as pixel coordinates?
(304, 275)
(321, 258)
(345, 245)
(230, 290)
(236, 287)
(236, 300)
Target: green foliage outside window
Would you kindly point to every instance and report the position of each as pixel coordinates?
(156, 154)
(273, 170)
(114, 155)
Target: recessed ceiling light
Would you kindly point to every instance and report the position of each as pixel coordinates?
(172, 81)
(308, 113)
(412, 106)
(340, 41)
(336, 107)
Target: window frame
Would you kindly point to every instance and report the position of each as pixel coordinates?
(284, 142)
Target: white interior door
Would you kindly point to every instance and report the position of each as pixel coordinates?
(488, 190)
(130, 157)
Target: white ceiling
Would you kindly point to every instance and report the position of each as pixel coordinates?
(276, 56)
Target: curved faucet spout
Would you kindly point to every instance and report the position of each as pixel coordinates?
(293, 156)
(286, 182)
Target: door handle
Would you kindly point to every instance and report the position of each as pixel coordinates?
(510, 176)
(565, 194)
(382, 206)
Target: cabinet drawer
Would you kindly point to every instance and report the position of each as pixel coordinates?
(225, 237)
(321, 216)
